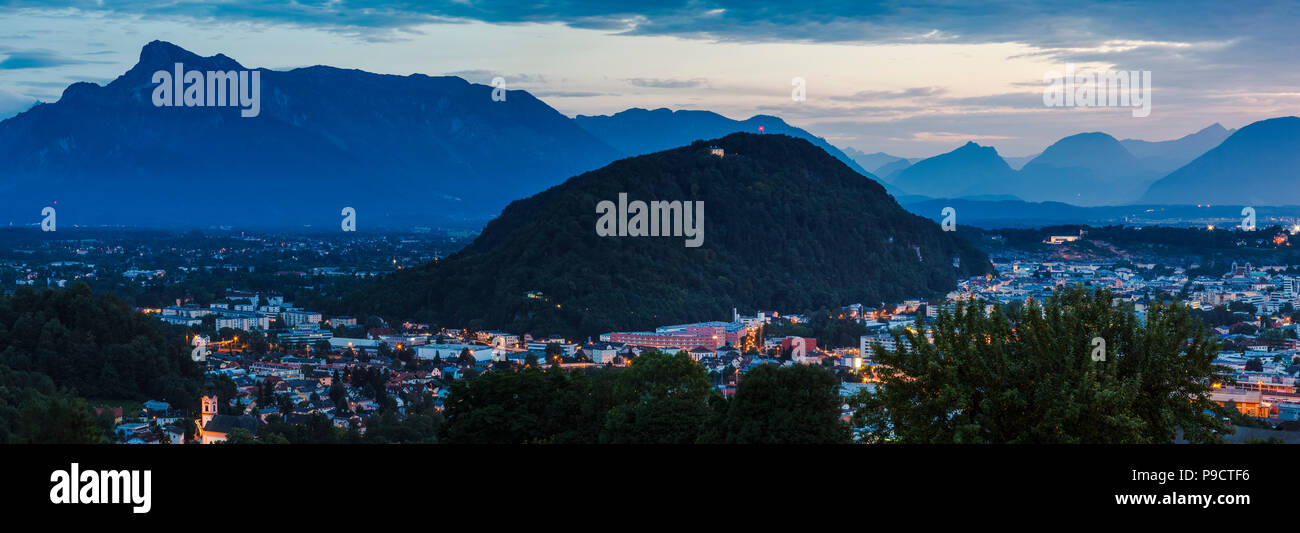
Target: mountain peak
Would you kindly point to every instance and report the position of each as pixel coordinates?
(1254, 166)
(157, 52)
(1213, 128)
(160, 55)
(973, 148)
(637, 131)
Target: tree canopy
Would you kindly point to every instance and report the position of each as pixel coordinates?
(1031, 377)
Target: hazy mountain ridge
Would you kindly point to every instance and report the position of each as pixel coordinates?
(1086, 169)
(640, 131)
(325, 138)
(1256, 165)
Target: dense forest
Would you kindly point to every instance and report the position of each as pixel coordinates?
(58, 347)
(786, 226)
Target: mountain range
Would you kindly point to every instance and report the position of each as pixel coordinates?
(785, 226)
(398, 149)
(426, 150)
(401, 150)
(1086, 169)
(639, 131)
(1257, 165)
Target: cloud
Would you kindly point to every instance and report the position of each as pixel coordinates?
(21, 59)
(669, 83)
(948, 136)
(486, 76)
(569, 94)
(12, 103)
(913, 92)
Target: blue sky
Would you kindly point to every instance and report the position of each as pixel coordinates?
(909, 78)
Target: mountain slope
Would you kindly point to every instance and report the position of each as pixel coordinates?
(1085, 169)
(786, 226)
(639, 131)
(1257, 165)
(970, 169)
(889, 171)
(325, 138)
(874, 162)
(1164, 157)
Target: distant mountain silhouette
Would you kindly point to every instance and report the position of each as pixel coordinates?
(1019, 162)
(786, 226)
(400, 149)
(1257, 165)
(968, 170)
(890, 171)
(1164, 157)
(874, 163)
(1085, 169)
(639, 131)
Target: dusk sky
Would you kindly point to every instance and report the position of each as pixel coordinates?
(912, 79)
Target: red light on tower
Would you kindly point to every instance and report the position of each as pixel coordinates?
(760, 129)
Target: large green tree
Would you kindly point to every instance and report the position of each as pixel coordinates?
(798, 404)
(661, 399)
(531, 405)
(1031, 377)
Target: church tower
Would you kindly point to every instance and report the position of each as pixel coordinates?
(209, 408)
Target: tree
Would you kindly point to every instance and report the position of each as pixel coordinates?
(239, 436)
(1032, 378)
(797, 404)
(58, 420)
(466, 357)
(226, 390)
(554, 352)
(338, 393)
(661, 399)
(1254, 365)
(530, 405)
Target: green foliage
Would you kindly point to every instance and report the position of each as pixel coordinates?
(661, 399)
(829, 329)
(823, 234)
(531, 405)
(1030, 377)
(34, 411)
(58, 344)
(797, 404)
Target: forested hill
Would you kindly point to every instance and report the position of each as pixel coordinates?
(786, 226)
(61, 345)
